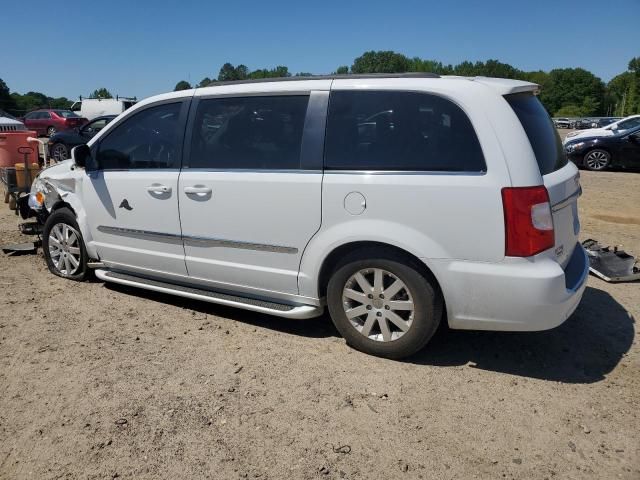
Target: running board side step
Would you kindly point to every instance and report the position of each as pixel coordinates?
(263, 306)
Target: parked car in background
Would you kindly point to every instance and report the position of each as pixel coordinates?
(61, 143)
(397, 201)
(600, 153)
(48, 121)
(604, 121)
(563, 122)
(9, 123)
(583, 123)
(614, 128)
(91, 108)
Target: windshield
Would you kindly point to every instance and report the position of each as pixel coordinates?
(627, 124)
(540, 130)
(66, 114)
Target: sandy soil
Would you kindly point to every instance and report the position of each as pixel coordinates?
(99, 382)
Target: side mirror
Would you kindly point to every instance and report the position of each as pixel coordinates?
(80, 155)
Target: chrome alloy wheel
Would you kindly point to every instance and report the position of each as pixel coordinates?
(378, 304)
(64, 248)
(596, 160)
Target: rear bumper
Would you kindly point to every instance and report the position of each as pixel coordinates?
(515, 295)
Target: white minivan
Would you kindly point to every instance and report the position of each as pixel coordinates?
(396, 201)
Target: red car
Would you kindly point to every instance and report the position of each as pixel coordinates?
(48, 121)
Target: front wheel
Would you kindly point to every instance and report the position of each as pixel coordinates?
(597, 160)
(63, 246)
(59, 152)
(383, 306)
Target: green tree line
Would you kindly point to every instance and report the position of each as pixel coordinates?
(565, 91)
(18, 104)
(573, 92)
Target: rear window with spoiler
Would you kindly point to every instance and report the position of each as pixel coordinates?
(540, 130)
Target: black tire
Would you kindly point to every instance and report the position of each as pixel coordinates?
(427, 304)
(596, 160)
(60, 218)
(59, 152)
(51, 131)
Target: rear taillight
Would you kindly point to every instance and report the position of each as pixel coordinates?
(528, 222)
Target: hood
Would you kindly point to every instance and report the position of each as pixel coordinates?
(9, 123)
(58, 169)
(574, 140)
(589, 133)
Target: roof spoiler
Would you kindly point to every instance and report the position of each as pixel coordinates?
(506, 86)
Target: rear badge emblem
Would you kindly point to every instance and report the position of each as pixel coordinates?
(125, 205)
(559, 250)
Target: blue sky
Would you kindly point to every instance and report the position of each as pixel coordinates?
(141, 47)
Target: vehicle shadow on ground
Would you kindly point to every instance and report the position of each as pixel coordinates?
(582, 350)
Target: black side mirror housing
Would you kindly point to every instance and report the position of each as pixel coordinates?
(80, 155)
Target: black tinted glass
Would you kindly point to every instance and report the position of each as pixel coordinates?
(149, 139)
(249, 133)
(540, 130)
(628, 124)
(399, 131)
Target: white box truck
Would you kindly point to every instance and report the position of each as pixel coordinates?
(91, 108)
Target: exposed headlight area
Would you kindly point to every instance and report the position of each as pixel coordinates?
(38, 194)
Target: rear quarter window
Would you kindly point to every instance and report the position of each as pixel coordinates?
(540, 130)
(399, 131)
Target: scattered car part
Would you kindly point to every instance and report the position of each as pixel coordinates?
(21, 248)
(611, 265)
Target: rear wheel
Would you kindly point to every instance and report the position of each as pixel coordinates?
(383, 305)
(51, 131)
(63, 246)
(597, 160)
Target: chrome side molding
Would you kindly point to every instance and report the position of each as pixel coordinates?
(201, 241)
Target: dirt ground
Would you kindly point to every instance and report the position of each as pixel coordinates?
(101, 382)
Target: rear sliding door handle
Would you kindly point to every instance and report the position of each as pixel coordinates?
(158, 189)
(197, 190)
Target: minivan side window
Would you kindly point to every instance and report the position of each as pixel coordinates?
(399, 131)
(254, 133)
(148, 139)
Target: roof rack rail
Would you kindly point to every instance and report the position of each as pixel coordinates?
(349, 76)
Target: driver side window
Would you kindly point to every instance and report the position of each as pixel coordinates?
(148, 139)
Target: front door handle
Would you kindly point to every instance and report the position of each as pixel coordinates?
(197, 190)
(158, 189)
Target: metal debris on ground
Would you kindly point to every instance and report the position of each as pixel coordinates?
(611, 265)
(21, 248)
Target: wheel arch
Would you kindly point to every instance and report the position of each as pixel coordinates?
(72, 203)
(332, 260)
